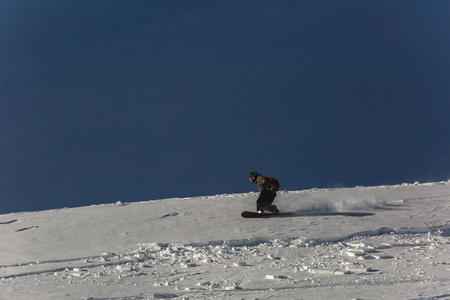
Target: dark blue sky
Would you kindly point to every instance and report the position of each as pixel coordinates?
(105, 101)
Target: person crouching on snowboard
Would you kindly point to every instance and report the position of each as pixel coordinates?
(268, 186)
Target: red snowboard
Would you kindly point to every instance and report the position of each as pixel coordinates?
(252, 214)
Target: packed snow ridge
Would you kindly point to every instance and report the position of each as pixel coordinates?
(390, 242)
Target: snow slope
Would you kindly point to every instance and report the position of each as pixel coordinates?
(387, 242)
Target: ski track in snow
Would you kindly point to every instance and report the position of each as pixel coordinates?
(388, 262)
(8, 222)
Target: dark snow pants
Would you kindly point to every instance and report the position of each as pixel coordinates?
(265, 199)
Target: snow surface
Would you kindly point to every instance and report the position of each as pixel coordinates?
(385, 242)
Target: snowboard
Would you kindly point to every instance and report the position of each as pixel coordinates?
(252, 214)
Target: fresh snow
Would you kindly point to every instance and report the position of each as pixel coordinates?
(385, 242)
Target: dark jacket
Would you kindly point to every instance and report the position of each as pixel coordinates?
(262, 183)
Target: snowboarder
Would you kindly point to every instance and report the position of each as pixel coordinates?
(268, 186)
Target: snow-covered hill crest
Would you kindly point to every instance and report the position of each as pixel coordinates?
(363, 242)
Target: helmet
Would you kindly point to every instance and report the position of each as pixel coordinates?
(252, 176)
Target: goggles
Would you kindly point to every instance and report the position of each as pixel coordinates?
(252, 178)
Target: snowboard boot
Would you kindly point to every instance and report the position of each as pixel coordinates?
(273, 209)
